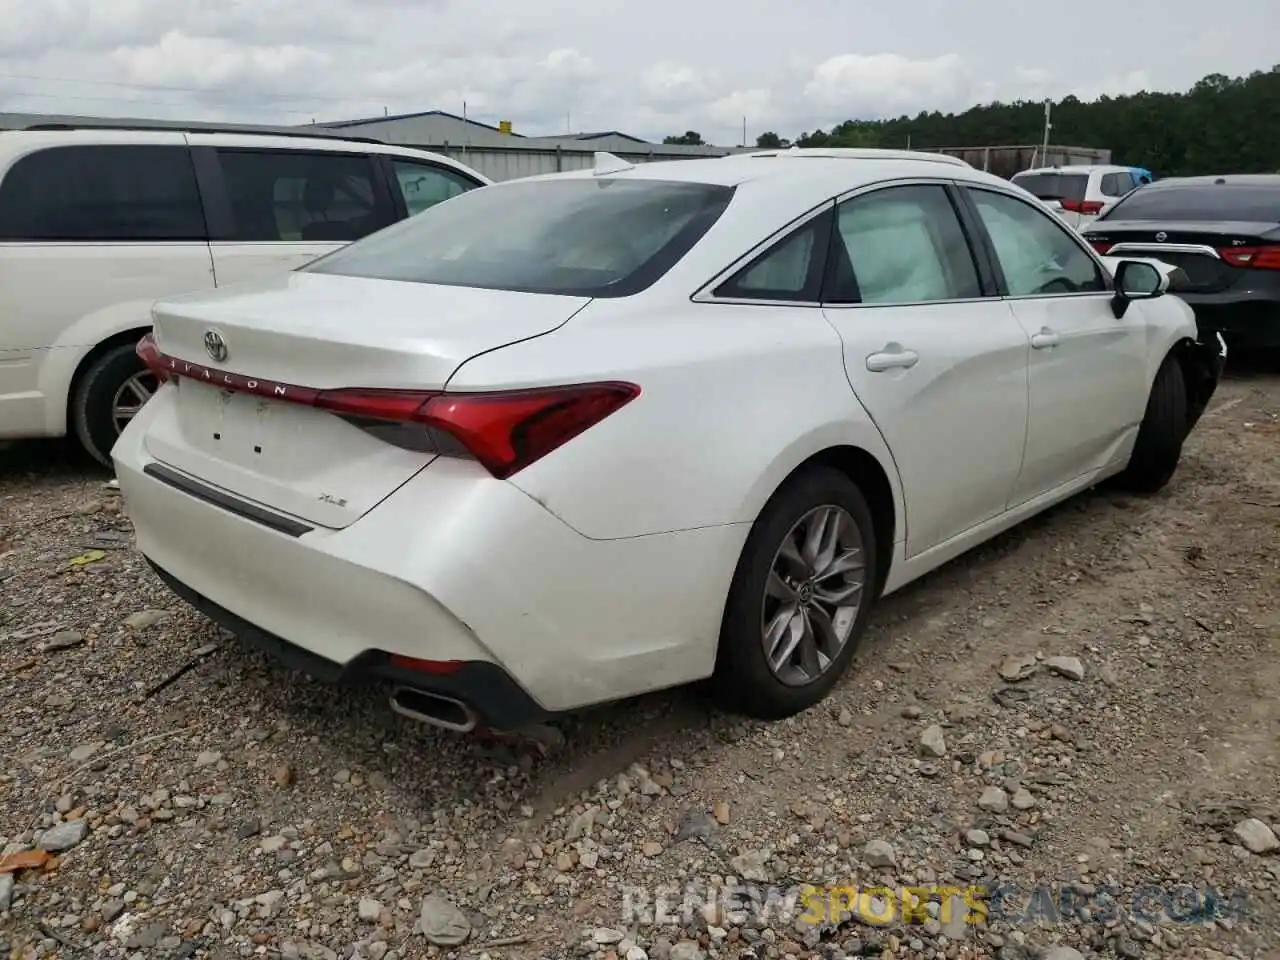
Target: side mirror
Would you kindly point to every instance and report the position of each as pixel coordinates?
(1136, 280)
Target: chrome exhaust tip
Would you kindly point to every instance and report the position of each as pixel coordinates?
(432, 708)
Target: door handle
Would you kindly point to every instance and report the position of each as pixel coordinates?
(1044, 339)
(892, 357)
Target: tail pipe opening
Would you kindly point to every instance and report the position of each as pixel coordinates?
(432, 708)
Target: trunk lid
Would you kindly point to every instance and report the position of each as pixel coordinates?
(1191, 245)
(323, 332)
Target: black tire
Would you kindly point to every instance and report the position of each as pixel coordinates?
(1158, 448)
(743, 682)
(91, 405)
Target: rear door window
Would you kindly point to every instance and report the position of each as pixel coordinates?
(1054, 186)
(116, 192)
(1117, 184)
(789, 272)
(299, 196)
(904, 245)
(423, 185)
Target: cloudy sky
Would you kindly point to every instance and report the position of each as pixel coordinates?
(648, 67)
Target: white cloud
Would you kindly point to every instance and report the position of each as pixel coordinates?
(667, 84)
(662, 67)
(863, 86)
(213, 63)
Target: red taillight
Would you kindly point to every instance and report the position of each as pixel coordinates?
(1254, 258)
(1081, 206)
(441, 668)
(149, 354)
(506, 431)
(1102, 246)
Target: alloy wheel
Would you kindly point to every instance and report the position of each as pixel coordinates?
(812, 596)
(130, 397)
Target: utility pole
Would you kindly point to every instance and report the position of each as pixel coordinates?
(1044, 158)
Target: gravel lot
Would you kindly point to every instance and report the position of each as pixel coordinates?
(240, 810)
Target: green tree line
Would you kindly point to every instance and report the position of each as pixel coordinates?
(1221, 125)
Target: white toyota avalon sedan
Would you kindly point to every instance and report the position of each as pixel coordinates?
(569, 439)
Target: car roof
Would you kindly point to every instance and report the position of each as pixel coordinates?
(1220, 180)
(1082, 168)
(18, 143)
(805, 177)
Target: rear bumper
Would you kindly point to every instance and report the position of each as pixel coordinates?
(489, 690)
(1250, 320)
(452, 566)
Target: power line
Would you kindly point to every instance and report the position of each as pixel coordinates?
(172, 89)
(246, 107)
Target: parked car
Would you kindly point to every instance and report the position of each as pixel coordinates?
(1079, 193)
(569, 439)
(1223, 233)
(97, 223)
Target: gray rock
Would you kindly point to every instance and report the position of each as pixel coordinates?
(880, 853)
(63, 836)
(1069, 667)
(370, 910)
(148, 936)
(146, 618)
(208, 758)
(582, 824)
(687, 950)
(607, 935)
(697, 825)
(82, 753)
(1018, 668)
(1256, 836)
(1063, 953)
(932, 743)
(994, 800)
(751, 866)
(978, 838)
(442, 923)
(6, 891)
(1022, 799)
(64, 640)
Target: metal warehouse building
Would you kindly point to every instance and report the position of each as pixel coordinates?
(502, 155)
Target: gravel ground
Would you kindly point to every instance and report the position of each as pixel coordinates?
(1080, 717)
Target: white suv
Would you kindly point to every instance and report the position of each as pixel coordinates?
(99, 222)
(1079, 193)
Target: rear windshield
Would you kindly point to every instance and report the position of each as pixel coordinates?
(1207, 202)
(1054, 186)
(605, 237)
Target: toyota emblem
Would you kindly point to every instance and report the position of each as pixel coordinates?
(215, 346)
(1161, 237)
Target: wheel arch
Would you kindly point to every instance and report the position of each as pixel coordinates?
(1199, 374)
(866, 471)
(123, 338)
